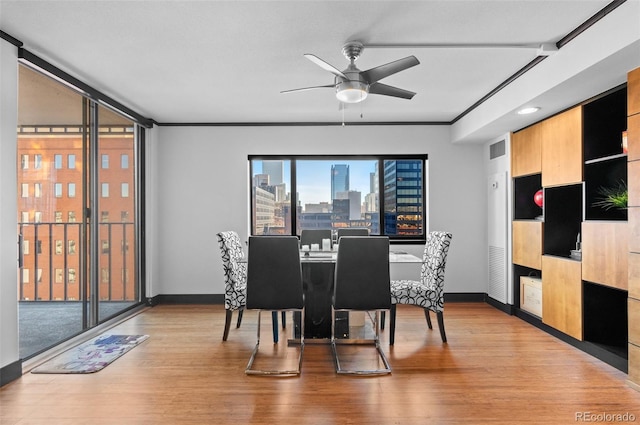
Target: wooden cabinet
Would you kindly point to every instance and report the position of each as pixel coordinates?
(562, 148)
(604, 253)
(634, 275)
(562, 295)
(526, 151)
(527, 244)
(633, 139)
(633, 90)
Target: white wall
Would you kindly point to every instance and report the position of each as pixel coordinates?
(8, 207)
(203, 185)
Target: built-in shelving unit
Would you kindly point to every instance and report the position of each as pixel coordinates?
(575, 156)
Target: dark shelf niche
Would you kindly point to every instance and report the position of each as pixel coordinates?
(604, 120)
(519, 271)
(609, 173)
(523, 190)
(605, 317)
(562, 219)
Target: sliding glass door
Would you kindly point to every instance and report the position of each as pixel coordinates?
(115, 213)
(77, 203)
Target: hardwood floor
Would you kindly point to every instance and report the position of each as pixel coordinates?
(494, 369)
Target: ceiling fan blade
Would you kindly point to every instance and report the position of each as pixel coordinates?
(309, 88)
(383, 89)
(324, 65)
(378, 73)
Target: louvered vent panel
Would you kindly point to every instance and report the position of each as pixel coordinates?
(497, 275)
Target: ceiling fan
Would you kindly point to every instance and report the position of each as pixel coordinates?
(353, 85)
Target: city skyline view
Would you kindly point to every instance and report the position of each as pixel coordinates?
(314, 178)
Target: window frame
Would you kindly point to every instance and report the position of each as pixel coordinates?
(409, 239)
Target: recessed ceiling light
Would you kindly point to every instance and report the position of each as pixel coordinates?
(529, 110)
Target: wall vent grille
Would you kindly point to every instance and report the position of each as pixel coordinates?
(497, 278)
(497, 149)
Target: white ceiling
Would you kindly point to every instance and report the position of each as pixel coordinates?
(227, 61)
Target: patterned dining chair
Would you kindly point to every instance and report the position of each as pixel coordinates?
(235, 277)
(428, 292)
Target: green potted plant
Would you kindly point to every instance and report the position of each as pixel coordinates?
(613, 197)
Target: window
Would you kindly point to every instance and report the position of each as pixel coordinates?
(71, 190)
(57, 161)
(105, 190)
(124, 189)
(124, 216)
(25, 246)
(105, 246)
(71, 215)
(59, 276)
(37, 190)
(24, 162)
(124, 161)
(58, 247)
(104, 272)
(37, 161)
(105, 161)
(24, 192)
(37, 217)
(58, 216)
(39, 275)
(71, 161)
(57, 189)
(72, 247)
(24, 216)
(25, 275)
(72, 276)
(382, 193)
(39, 246)
(104, 216)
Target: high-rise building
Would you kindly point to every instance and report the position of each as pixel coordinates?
(403, 197)
(339, 179)
(355, 204)
(275, 170)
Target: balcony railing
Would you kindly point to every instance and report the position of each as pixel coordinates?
(53, 269)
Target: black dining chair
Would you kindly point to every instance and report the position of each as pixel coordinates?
(274, 283)
(235, 282)
(314, 236)
(362, 283)
(352, 231)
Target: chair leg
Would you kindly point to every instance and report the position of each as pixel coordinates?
(428, 316)
(239, 317)
(284, 320)
(441, 326)
(392, 324)
(382, 319)
(274, 320)
(227, 324)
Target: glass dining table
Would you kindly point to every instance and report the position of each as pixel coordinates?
(318, 275)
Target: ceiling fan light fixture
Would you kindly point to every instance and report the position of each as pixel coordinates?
(352, 91)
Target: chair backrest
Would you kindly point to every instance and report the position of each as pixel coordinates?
(352, 231)
(434, 261)
(274, 274)
(235, 273)
(362, 279)
(311, 236)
